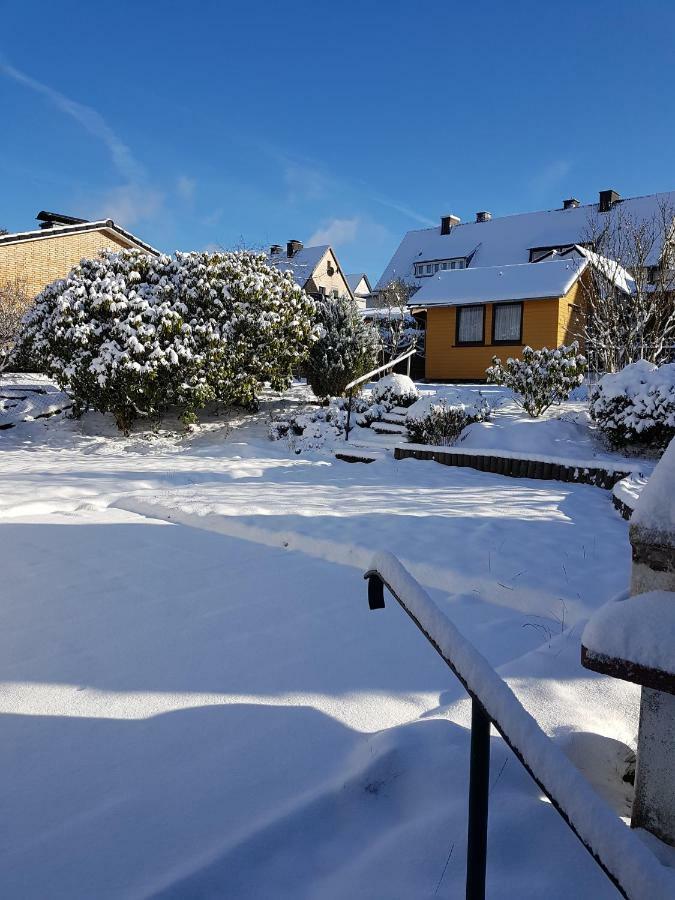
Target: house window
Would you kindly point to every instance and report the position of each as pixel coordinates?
(441, 265)
(507, 323)
(470, 325)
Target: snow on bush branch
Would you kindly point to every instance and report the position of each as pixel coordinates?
(131, 334)
(540, 378)
(440, 420)
(636, 405)
(346, 347)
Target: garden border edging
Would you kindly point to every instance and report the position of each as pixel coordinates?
(517, 467)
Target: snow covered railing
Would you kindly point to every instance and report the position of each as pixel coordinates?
(367, 377)
(619, 852)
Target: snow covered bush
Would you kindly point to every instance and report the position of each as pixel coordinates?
(131, 334)
(440, 420)
(311, 429)
(636, 405)
(396, 390)
(373, 412)
(540, 377)
(345, 349)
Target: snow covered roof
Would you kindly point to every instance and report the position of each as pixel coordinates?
(383, 312)
(612, 271)
(499, 283)
(302, 264)
(507, 240)
(354, 280)
(57, 230)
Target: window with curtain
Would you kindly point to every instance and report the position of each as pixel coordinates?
(507, 323)
(470, 325)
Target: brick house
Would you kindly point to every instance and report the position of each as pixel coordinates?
(33, 259)
(316, 269)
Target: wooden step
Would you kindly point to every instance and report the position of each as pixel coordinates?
(386, 428)
(393, 418)
(355, 456)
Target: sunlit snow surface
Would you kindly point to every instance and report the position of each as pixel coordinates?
(197, 701)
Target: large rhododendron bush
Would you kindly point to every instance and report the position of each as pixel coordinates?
(132, 334)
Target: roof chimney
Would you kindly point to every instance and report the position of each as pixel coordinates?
(276, 249)
(483, 216)
(292, 248)
(50, 219)
(607, 200)
(572, 203)
(447, 222)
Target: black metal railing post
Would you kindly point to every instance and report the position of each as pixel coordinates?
(479, 782)
(375, 592)
(349, 414)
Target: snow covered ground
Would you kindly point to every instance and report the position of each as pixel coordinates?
(197, 702)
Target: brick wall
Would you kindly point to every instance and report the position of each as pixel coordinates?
(36, 263)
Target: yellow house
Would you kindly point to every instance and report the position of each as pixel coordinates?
(316, 269)
(475, 314)
(33, 259)
(491, 286)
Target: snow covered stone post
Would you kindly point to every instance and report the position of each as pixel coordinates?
(635, 640)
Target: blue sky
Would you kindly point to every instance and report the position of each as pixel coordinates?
(349, 123)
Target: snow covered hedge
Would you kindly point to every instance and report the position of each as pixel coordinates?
(636, 405)
(131, 334)
(440, 420)
(346, 347)
(540, 378)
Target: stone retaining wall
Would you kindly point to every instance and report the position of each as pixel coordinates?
(516, 468)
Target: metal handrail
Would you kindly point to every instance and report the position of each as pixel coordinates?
(357, 381)
(389, 365)
(492, 702)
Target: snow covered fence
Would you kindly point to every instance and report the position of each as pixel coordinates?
(624, 858)
(523, 465)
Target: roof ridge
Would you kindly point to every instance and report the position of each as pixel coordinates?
(534, 212)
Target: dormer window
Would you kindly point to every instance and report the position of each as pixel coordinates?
(424, 269)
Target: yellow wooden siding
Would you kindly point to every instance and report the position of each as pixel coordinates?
(570, 315)
(36, 263)
(445, 361)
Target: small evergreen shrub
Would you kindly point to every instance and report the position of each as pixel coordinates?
(636, 406)
(131, 334)
(540, 378)
(395, 390)
(439, 420)
(345, 349)
(312, 429)
(372, 413)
